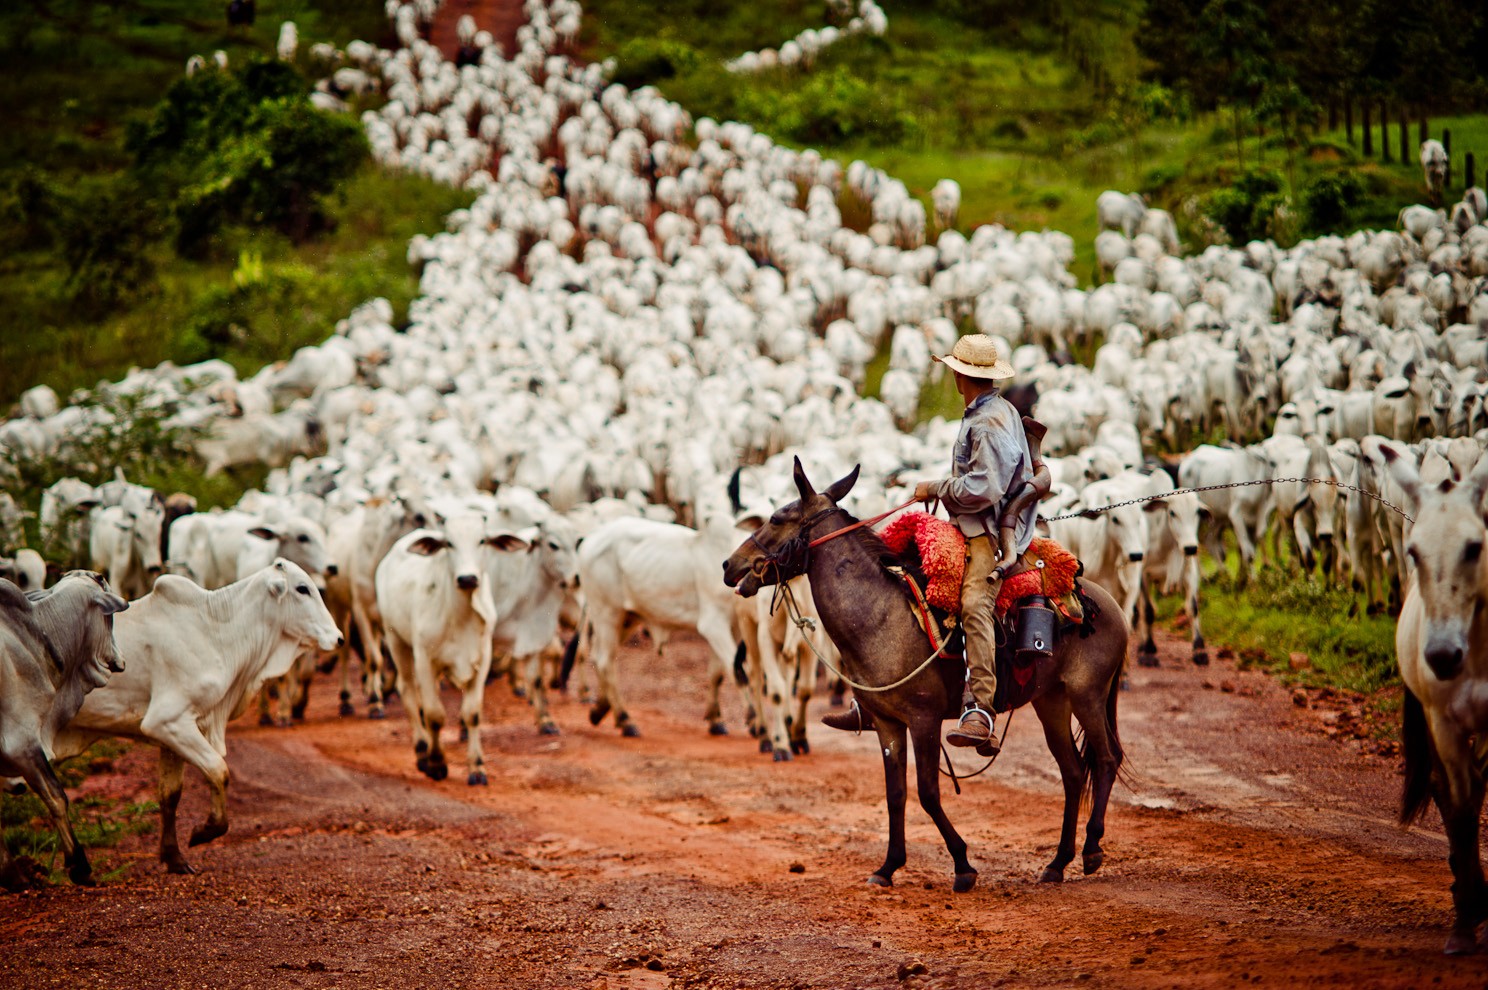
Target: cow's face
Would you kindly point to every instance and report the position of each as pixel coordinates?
(305, 614)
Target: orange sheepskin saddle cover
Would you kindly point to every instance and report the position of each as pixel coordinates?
(942, 551)
(1051, 572)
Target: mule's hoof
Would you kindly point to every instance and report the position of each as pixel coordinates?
(347, 710)
(800, 746)
(1147, 660)
(597, 713)
(765, 746)
(1051, 875)
(549, 729)
(782, 755)
(1093, 861)
(206, 832)
(1201, 658)
(879, 880)
(1460, 944)
(717, 729)
(964, 882)
(477, 778)
(265, 720)
(630, 730)
(376, 713)
(179, 867)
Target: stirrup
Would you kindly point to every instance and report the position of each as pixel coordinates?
(863, 719)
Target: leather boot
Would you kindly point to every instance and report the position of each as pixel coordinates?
(974, 729)
(852, 720)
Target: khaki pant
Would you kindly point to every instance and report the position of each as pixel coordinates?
(978, 620)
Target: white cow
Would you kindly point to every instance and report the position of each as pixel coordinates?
(194, 659)
(1305, 510)
(1111, 542)
(665, 577)
(1171, 562)
(439, 618)
(1242, 509)
(217, 548)
(125, 545)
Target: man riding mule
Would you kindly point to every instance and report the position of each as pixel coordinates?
(872, 618)
(991, 464)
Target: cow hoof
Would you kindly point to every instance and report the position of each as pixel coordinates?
(266, 720)
(519, 692)
(283, 723)
(549, 729)
(782, 755)
(879, 880)
(765, 747)
(1051, 875)
(327, 666)
(717, 729)
(81, 875)
(630, 730)
(297, 713)
(206, 832)
(598, 712)
(1125, 682)
(964, 882)
(1201, 658)
(1460, 944)
(800, 746)
(438, 771)
(1093, 861)
(180, 867)
(347, 709)
(1147, 660)
(464, 734)
(376, 713)
(477, 778)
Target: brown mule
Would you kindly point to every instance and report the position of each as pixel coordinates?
(868, 614)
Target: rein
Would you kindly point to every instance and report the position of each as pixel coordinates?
(858, 525)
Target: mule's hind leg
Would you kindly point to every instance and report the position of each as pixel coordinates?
(891, 742)
(926, 738)
(1100, 756)
(1054, 712)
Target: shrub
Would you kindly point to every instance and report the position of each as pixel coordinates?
(247, 315)
(105, 230)
(1328, 199)
(830, 107)
(648, 60)
(1246, 207)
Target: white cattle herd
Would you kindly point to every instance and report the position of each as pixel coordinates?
(597, 350)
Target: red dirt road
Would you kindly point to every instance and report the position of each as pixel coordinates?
(1251, 849)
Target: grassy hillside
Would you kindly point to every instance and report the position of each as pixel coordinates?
(77, 73)
(1034, 109)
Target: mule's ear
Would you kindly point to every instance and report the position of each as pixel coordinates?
(1404, 473)
(803, 484)
(838, 489)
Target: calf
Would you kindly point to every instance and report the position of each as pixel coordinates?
(1172, 560)
(196, 657)
(54, 649)
(440, 618)
(1441, 644)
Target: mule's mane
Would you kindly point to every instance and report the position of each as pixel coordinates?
(871, 544)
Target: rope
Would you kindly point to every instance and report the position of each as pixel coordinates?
(784, 593)
(1235, 484)
(859, 524)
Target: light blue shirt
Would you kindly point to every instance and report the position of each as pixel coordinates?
(990, 463)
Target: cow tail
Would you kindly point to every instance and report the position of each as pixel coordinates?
(570, 654)
(741, 675)
(1415, 741)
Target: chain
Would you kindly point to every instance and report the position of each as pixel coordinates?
(1236, 484)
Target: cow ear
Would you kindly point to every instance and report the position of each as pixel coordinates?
(83, 508)
(109, 604)
(278, 584)
(838, 489)
(428, 546)
(1090, 514)
(1404, 473)
(264, 533)
(803, 484)
(509, 543)
(1155, 505)
(1478, 482)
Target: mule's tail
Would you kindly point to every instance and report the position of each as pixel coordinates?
(571, 653)
(1415, 740)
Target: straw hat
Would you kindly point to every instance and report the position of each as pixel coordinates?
(979, 356)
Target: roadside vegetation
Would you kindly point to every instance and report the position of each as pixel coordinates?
(147, 217)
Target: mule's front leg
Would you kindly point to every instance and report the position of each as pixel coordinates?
(927, 780)
(891, 742)
(1054, 712)
(1459, 798)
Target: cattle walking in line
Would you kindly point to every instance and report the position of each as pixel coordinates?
(55, 647)
(194, 660)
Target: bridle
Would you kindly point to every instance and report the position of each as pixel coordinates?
(791, 558)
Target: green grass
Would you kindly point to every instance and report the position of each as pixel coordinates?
(98, 823)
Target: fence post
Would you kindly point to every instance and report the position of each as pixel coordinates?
(1368, 133)
(1385, 155)
(1447, 146)
(1470, 171)
(1405, 156)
